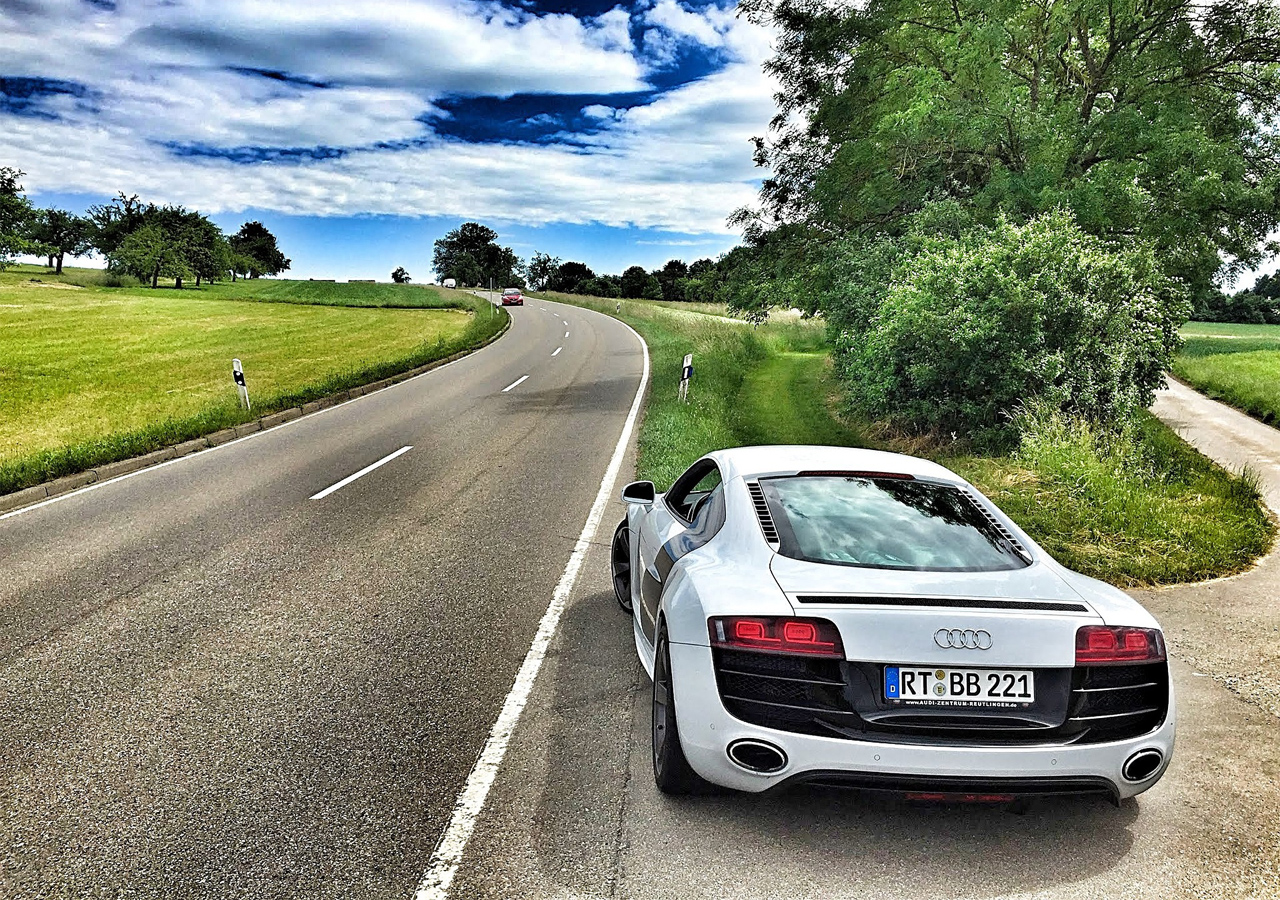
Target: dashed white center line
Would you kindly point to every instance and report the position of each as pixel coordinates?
(365, 471)
(557, 353)
(566, 334)
(514, 383)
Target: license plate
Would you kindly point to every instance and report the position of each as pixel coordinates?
(918, 685)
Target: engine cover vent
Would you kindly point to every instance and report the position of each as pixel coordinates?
(762, 513)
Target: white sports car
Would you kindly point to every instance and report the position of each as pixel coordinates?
(846, 616)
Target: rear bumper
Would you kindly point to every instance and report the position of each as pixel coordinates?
(707, 729)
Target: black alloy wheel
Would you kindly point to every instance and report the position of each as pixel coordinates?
(620, 565)
(671, 771)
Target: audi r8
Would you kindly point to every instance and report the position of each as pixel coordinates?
(831, 615)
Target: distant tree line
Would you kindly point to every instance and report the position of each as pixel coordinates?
(471, 256)
(1259, 304)
(144, 240)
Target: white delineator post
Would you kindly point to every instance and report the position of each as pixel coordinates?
(237, 373)
(686, 372)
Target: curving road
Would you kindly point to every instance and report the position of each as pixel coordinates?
(248, 673)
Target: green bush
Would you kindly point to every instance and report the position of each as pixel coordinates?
(972, 328)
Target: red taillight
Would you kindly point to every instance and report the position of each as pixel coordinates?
(814, 637)
(1100, 644)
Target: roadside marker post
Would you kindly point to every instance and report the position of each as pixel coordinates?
(686, 372)
(237, 374)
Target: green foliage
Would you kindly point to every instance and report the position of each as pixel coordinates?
(471, 255)
(541, 268)
(1134, 505)
(568, 275)
(149, 254)
(596, 287)
(971, 329)
(257, 246)
(1152, 120)
(58, 232)
(634, 281)
(15, 216)
(400, 276)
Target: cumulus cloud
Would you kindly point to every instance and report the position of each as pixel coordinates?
(175, 81)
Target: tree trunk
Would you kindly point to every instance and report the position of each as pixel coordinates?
(197, 279)
(155, 278)
(177, 282)
(59, 272)
(49, 264)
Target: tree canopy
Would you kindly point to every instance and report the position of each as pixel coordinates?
(471, 255)
(15, 215)
(1147, 119)
(258, 251)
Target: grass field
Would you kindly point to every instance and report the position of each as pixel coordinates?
(93, 374)
(1237, 364)
(1141, 508)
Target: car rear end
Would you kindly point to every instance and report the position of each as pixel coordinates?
(971, 682)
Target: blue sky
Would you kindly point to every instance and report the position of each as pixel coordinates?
(610, 133)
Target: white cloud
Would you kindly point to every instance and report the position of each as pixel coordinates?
(159, 72)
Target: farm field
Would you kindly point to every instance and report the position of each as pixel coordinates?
(1237, 364)
(91, 374)
(1138, 509)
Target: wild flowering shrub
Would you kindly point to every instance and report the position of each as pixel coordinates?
(973, 328)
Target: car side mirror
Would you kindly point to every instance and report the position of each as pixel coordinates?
(639, 492)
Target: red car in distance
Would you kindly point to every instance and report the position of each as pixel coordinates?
(512, 297)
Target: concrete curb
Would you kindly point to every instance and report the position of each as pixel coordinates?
(107, 471)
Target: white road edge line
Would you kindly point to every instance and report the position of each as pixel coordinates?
(309, 417)
(470, 803)
(514, 383)
(557, 353)
(365, 471)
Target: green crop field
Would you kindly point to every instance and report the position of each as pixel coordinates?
(1237, 364)
(90, 373)
(1133, 509)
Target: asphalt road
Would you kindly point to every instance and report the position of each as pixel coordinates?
(214, 686)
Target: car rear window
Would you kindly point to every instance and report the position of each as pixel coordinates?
(885, 523)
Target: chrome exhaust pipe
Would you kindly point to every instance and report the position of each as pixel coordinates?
(757, 756)
(1142, 765)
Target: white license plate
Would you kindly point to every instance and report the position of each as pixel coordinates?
(959, 687)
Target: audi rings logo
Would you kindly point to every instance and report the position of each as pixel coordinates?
(962, 639)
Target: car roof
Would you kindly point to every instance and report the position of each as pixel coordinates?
(788, 459)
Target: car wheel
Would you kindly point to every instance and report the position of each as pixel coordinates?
(620, 565)
(671, 771)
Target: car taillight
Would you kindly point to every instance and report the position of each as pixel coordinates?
(1118, 644)
(812, 637)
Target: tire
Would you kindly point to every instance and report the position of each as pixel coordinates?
(620, 566)
(671, 771)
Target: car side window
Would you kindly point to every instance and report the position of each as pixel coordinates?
(693, 488)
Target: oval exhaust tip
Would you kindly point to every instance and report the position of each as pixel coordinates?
(756, 756)
(1142, 765)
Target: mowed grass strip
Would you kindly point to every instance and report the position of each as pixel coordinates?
(1139, 509)
(92, 375)
(1237, 364)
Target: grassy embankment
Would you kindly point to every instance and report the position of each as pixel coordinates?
(91, 374)
(1142, 509)
(1237, 364)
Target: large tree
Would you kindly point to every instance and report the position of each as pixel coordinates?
(568, 275)
(541, 268)
(1150, 120)
(15, 216)
(254, 243)
(58, 233)
(113, 222)
(151, 253)
(472, 249)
